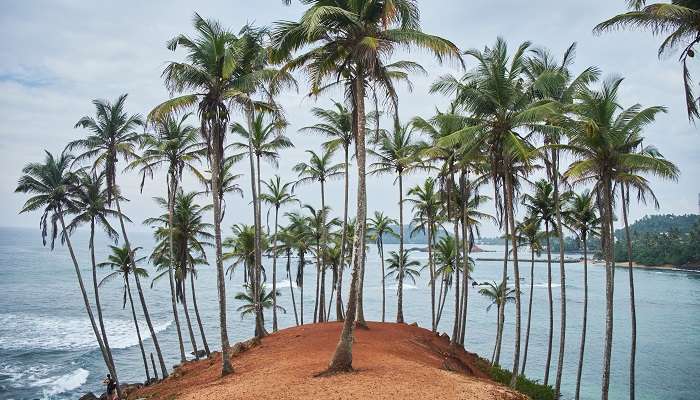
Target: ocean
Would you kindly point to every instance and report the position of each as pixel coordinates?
(48, 351)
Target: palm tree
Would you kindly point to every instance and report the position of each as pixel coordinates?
(286, 242)
(90, 197)
(319, 169)
(498, 295)
(302, 239)
(540, 206)
(113, 137)
(402, 267)
(278, 195)
(337, 125)
(122, 265)
(397, 153)
(336, 36)
(250, 304)
(678, 19)
(175, 146)
(378, 227)
(50, 184)
(581, 218)
(605, 147)
(529, 234)
(242, 251)
(426, 201)
(445, 267)
(210, 89)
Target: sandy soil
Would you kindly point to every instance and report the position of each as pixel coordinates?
(392, 361)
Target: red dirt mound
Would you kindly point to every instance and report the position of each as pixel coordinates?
(392, 361)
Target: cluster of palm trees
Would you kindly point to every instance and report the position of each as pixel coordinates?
(515, 117)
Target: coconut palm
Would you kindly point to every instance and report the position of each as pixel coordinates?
(336, 36)
(250, 304)
(426, 203)
(581, 217)
(402, 267)
(174, 146)
(318, 226)
(540, 206)
(50, 184)
(445, 267)
(123, 265)
(277, 196)
(397, 154)
(337, 126)
(379, 227)
(241, 251)
(499, 295)
(90, 197)
(285, 245)
(605, 147)
(319, 169)
(302, 239)
(679, 19)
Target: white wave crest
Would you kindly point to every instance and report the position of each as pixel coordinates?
(62, 383)
(27, 331)
(285, 284)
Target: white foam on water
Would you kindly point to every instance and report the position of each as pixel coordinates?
(27, 331)
(62, 383)
(285, 284)
(48, 379)
(406, 286)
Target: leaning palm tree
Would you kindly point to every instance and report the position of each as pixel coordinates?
(277, 196)
(397, 154)
(321, 169)
(379, 227)
(581, 217)
(174, 146)
(50, 185)
(336, 36)
(209, 89)
(679, 19)
(90, 197)
(337, 125)
(123, 265)
(427, 203)
(605, 146)
(113, 137)
(499, 295)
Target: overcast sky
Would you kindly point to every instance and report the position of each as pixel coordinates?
(59, 55)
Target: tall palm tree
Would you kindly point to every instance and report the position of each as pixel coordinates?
(496, 95)
(402, 267)
(379, 227)
(209, 89)
(540, 206)
(278, 195)
(336, 36)
(498, 295)
(318, 225)
(319, 169)
(174, 146)
(445, 267)
(90, 197)
(122, 265)
(427, 202)
(49, 183)
(113, 137)
(250, 305)
(679, 19)
(302, 239)
(581, 217)
(397, 154)
(286, 241)
(241, 251)
(337, 125)
(604, 147)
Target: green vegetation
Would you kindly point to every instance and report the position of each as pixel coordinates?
(534, 390)
(676, 245)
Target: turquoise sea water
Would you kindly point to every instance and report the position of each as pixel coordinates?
(47, 349)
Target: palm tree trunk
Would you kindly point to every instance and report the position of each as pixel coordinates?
(630, 269)
(455, 228)
(399, 311)
(98, 306)
(562, 276)
(138, 331)
(300, 274)
(318, 280)
(95, 330)
(189, 322)
(172, 190)
(142, 299)
(199, 319)
(498, 335)
(516, 276)
(465, 259)
(608, 230)
(501, 307)
(226, 366)
(342, 357)
(380, 249)
(343, 239)
(322, 298)
(334, 270)
(259, 325)
(551, 304)
(585, 317)
(291, 288)
(529, 308)
(431, 267)
(274, 273)
(442, 296)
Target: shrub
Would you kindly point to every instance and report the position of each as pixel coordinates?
(533, 389)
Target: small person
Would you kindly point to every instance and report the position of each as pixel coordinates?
(111, 387)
